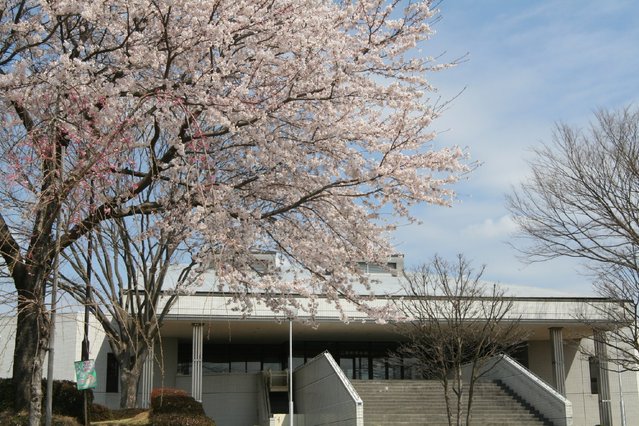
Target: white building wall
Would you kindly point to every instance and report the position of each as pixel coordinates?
(164, 374)
(626, 389)
(229, 399)
(7, 345)
(629, 390)
(68, 345)
(539, 360)
(585, 405)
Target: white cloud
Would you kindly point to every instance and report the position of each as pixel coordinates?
(530, 65)
(501, 228)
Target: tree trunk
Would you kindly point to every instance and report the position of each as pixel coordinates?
(471, 392)
(31, 344)
(460, 394)
(128, 389)
(448, 403)
(469, 406)
(130, 372)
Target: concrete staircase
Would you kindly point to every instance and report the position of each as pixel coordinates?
(421, 402)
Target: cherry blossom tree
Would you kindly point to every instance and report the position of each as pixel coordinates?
(277, 124)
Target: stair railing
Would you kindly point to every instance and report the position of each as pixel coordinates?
(532, 389)
(325, 396)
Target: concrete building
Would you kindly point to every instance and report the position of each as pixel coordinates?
(224, 361)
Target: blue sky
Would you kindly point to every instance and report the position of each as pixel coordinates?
(530, 65)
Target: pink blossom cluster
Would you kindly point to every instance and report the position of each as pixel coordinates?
(300, 126)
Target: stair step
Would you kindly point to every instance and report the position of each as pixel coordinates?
(421, 402)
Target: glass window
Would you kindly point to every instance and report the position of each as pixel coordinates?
(355, 358)
(271, 363)
(215, 367)
(379, 368)
(184, 368)
(358, 360)
(348, 367)
(238, 366)
(394, 371)
(410, 370)
(215, 359)
(253, 366)
(361, 368)
(253, 357)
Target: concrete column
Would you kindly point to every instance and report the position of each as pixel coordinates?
(605, 405)
(558, 364)
(147, 379)
(196, 366)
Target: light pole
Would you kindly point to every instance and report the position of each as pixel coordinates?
(87, 299)
(290, 371)
(54, 295)
(621, 402)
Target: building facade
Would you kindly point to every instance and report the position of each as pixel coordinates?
(223, 359)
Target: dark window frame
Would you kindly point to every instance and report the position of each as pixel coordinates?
(593, 368)
(112, 382)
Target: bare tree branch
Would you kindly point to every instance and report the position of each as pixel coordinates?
(453, 319)
(581, 202)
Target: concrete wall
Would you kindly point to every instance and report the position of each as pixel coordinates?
(585, 405)
(628, 390)
(165, 372)
(229, 399)
(324, 396)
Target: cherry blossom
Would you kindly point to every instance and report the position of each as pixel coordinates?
(301, 126)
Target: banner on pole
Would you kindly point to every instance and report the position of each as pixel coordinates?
(85, 374)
